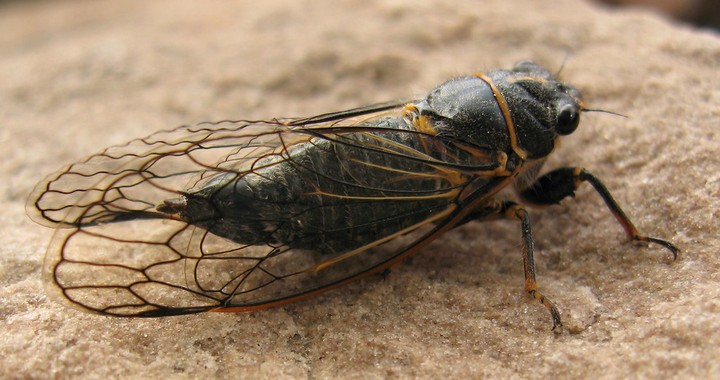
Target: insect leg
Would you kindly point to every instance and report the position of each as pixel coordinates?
(495, 209)
(560, 183)
(512, 210)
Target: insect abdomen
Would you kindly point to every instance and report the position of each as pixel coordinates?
(325, 194)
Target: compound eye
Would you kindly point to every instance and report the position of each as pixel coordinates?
(568, 119)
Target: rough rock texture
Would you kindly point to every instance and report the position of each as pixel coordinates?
(81, 75)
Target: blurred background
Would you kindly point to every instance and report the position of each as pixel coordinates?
(701, 13)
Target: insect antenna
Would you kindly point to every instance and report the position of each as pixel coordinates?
(562, 65)
(604, 111)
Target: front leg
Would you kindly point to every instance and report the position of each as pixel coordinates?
(561, 183)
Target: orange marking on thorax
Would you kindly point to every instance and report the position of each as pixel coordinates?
(512, 132)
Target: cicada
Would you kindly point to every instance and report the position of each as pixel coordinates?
(245, 215)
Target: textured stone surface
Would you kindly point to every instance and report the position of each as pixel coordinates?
(81, 75)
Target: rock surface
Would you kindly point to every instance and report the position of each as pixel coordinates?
(81, 75)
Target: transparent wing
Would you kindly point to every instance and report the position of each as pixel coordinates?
(297, 206)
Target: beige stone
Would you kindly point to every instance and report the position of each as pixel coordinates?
(80, 75)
